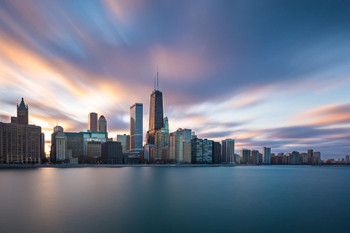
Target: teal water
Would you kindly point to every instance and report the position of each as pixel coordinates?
(176, 199)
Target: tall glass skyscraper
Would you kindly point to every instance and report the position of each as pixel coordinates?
(136, 127)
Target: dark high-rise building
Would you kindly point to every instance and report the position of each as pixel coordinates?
(310, 153)
(92, 122)
(112, 152)
(102, 125)
(42, 147)
(201, 150)
(155, 113)
(19, 141)
(216, 152)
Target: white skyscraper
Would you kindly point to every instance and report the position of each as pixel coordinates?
(228, 150)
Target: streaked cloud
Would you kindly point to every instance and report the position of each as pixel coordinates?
(250, 70)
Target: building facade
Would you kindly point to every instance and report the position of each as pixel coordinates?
(112, 152)
(202, 150)
(20, 143)
(136, 128)
(155, 115)
(124, 139)
(92, 121)
(228, 151)
(266, 155)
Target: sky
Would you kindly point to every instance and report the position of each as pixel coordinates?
(264, 72)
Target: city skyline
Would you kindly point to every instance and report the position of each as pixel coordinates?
(286, 89)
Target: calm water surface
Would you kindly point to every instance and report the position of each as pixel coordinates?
(179, 199)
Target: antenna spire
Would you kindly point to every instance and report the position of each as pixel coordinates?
(157, 82)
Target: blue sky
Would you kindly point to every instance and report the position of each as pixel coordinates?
(266, 73)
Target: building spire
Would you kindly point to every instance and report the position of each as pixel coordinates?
(157, 81)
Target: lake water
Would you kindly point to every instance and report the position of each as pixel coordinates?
(176, 199)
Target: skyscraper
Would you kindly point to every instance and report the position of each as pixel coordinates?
(136, 127)
(102, 125)
(310, 153)
(245, 156)
(228, 151)
(155, 113)
(92, 122)
(254, 157)
(180, 146)
(266, 151)
(19, 141)
(161, 142)
(125, 142)
(22, 114)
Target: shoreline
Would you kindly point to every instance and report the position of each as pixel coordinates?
(29, 166)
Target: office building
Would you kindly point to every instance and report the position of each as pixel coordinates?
(112, 152)
(237, 159)
(42, 148)
(124, 139)
(102, 125)
(228, 151)
(136, 128)
(316, 158)
(180, 146)
(148, 153)
(245, 156)
(202, 150)
(155, 113)
(254, 157)
(20, 142)
(216, 152)
(92, 121)
(161, 142)
(310, 153)
(266, 155)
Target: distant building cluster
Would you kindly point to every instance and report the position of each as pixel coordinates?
(22, 143)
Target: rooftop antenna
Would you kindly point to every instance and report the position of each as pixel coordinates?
(154, 83)
(157, 81)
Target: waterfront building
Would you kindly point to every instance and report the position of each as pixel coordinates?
(180, 146)
(102, 125)
(304, 158)
(254, 157)
(155, 113)
(295, 159)
(124, 139)
(112, 152)
(148, 153)
(228, 150)
(136, 128)
(20, 142)
(316, 158)
(310, 153)
(266, 155)
(202, 150)
(245, 156)
(216, 152)
(92, 122)
(347, 159)
(42, 148)
(61, 147)
(161, 143)
(237, 159)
